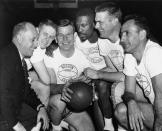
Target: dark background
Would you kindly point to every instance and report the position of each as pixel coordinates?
(14, 11)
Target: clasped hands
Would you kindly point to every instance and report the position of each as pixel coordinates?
(86, 77)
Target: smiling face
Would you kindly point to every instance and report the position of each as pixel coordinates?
(46, 35)
(26, 40)
(84, 27)
(130, 36)
(104, 24)
(65, 37)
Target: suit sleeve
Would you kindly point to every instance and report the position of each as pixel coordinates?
(30, 97)
(7, 110)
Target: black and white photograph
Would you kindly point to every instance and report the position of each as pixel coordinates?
(80, 65)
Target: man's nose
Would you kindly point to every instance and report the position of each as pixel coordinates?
(65, 38)
(35, 44)
(123, 37)
(122, 40)
(80, 29)
(97, 26)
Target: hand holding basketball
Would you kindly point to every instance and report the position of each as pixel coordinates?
(81, 97)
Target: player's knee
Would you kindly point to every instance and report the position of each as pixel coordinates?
(148, 113)
(120, 112)
(52, 100)
(84, 122)
(102, 87)
(56, 103)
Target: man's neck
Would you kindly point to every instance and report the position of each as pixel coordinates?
(114, 36)
(138, 54)
(67, 53)
(94, 37)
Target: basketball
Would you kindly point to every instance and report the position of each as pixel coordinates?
(81, 98)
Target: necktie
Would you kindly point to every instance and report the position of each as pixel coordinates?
(25, 72)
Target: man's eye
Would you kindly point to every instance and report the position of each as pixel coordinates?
(84, 25)
(125, 33)
(60, 36)
(100, 22)
(33, 40)
(45, 34)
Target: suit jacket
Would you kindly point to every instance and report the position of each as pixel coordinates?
(13, 91)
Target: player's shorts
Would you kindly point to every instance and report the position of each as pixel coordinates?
(117, 90)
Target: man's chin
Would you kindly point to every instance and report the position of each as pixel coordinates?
(127, 51)
(83, 39)
(43, 47)
(28, 56)
(31, 53)
(103, 36)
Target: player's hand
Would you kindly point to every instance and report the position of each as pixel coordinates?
(19, 127)
(42, 114)
(37, 127)
(82, 78)
(91, 73)
(66, 93)
(135, 116)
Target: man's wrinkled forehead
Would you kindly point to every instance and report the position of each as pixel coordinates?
(129, 25)
(102, 15)
(84, 19)
(62, 29)
(30, 29)
(48, 29)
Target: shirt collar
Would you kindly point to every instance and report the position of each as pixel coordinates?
(21, 56)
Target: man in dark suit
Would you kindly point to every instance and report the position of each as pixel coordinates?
(14, 85)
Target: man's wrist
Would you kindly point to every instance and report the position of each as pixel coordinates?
(61, 88)
(56, 88)
(132, 101)
(99, 74)
(128, 97)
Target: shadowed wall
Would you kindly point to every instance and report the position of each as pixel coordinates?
(12, 13)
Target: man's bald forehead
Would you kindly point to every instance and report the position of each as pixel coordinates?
(22, 27)
(30, 26)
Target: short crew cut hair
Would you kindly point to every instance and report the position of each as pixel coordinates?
(86, 12)
(112, 8)
(140, 21)
(65, 22)
(47, 22)
(20, 27)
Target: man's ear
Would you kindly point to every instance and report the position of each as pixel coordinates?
(143, 34)
(94, 24)
(19, 37)
(37, 29)
(115, 20)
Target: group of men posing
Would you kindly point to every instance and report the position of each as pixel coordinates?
(122, 59)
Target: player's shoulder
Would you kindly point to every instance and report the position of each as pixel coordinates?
(152, 46)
